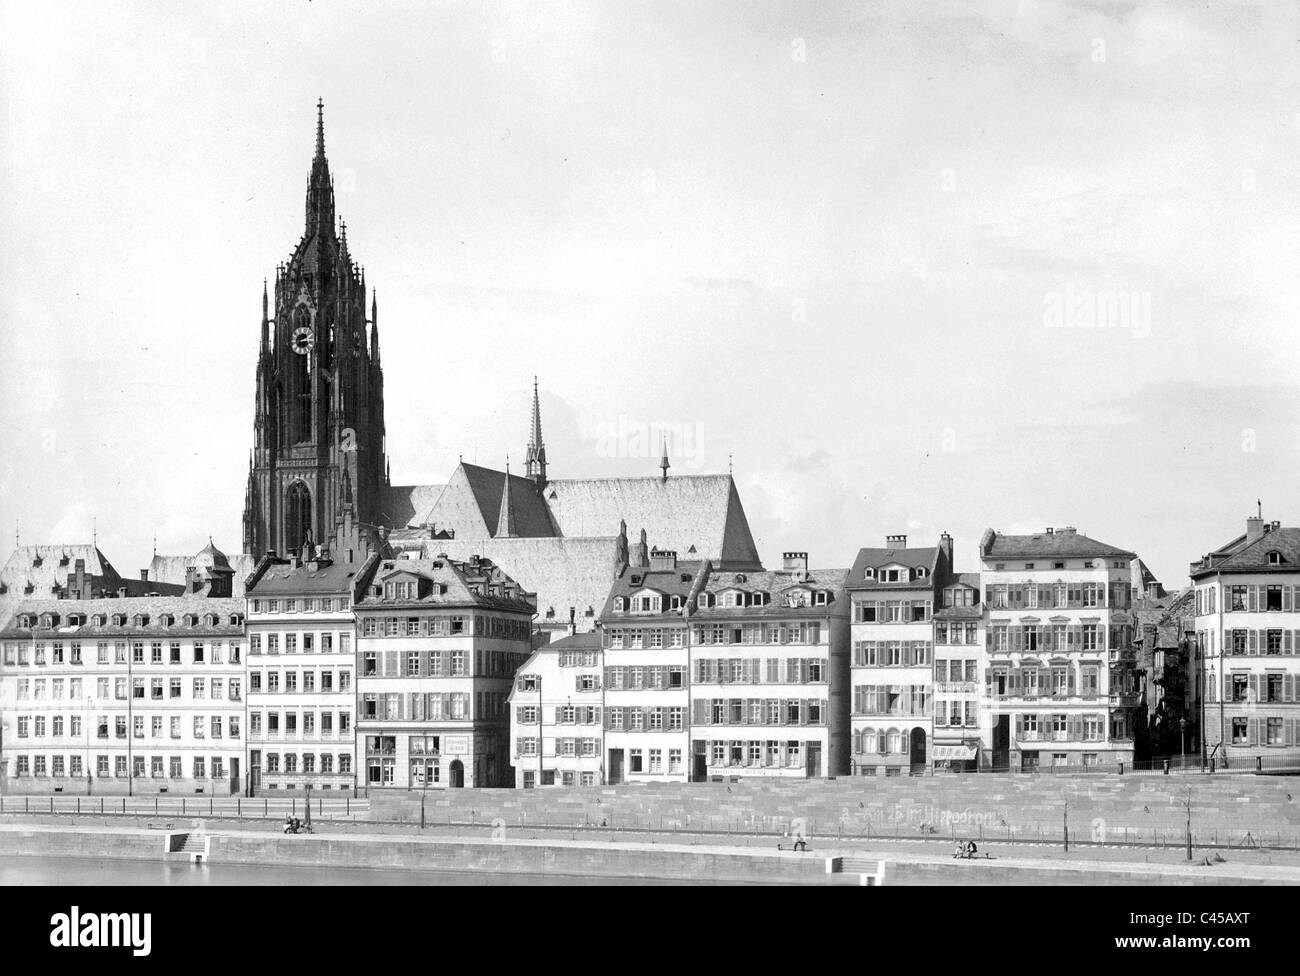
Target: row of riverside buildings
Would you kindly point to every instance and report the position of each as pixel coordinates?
(349, 668)
(501, 630)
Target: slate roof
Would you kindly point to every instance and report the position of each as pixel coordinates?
(678, 581)
(284, 579)
(44, 566)
(926, 557)
(562, 572)
(774, 582)
(460, 580)
(698, 516)
(153, 607)
(1046, 545)
(1242, 557)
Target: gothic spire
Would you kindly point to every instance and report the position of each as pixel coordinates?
(320, 128)
(266, 322)
(663, 461)
(506, 518)
(535, 458)
(320, 191)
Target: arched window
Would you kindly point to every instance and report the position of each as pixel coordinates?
(297, 523)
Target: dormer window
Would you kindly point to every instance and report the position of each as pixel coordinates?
(760, 599)
(740, 577)
(636, 580)
(98, 620)
(921, 572)
(819, 598)
(619, 604)
(675, 602)
(1275, 558)
(140, 620)
(236, 619)
(870, 573)
(28, 621)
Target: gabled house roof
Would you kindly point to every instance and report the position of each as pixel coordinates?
(923, 557)
(1056, 543)
(1240, 556)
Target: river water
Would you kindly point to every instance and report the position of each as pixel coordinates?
(94, 871)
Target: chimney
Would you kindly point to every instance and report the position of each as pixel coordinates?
(796, 563)
(1254, 530)
(144, 573)
(945, 543)
(640, 554)
(573, 621)
(896, 542)
(663, 559)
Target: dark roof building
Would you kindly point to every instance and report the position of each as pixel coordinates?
(1063, 543)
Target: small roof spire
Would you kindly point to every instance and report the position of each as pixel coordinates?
(663, 461)
(506, 517)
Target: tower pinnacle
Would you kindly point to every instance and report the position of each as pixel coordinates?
(535, 457)
(320, 128)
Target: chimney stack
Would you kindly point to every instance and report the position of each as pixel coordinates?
(573, 621)
(1254, 530)
(796, 563)
(144, 573)
(663, 559)
(945, 543)
(895, 542)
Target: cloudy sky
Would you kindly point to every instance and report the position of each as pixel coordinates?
(998, 263)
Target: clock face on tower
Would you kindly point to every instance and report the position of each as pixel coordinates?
(302, 340)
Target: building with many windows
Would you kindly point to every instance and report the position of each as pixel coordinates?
(556, 721)
(769, 673)
(438, 643)
(647, 666)
(1247, 625)
(131, 694)
(302, 666)
(713, 674)
(960, 729)
(893, 592)
(1062, 685)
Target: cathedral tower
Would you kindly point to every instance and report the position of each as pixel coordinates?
(318, 432)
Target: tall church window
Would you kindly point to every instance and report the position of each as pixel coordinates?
(297, 525)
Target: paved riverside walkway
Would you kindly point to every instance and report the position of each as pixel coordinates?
(907, 862)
